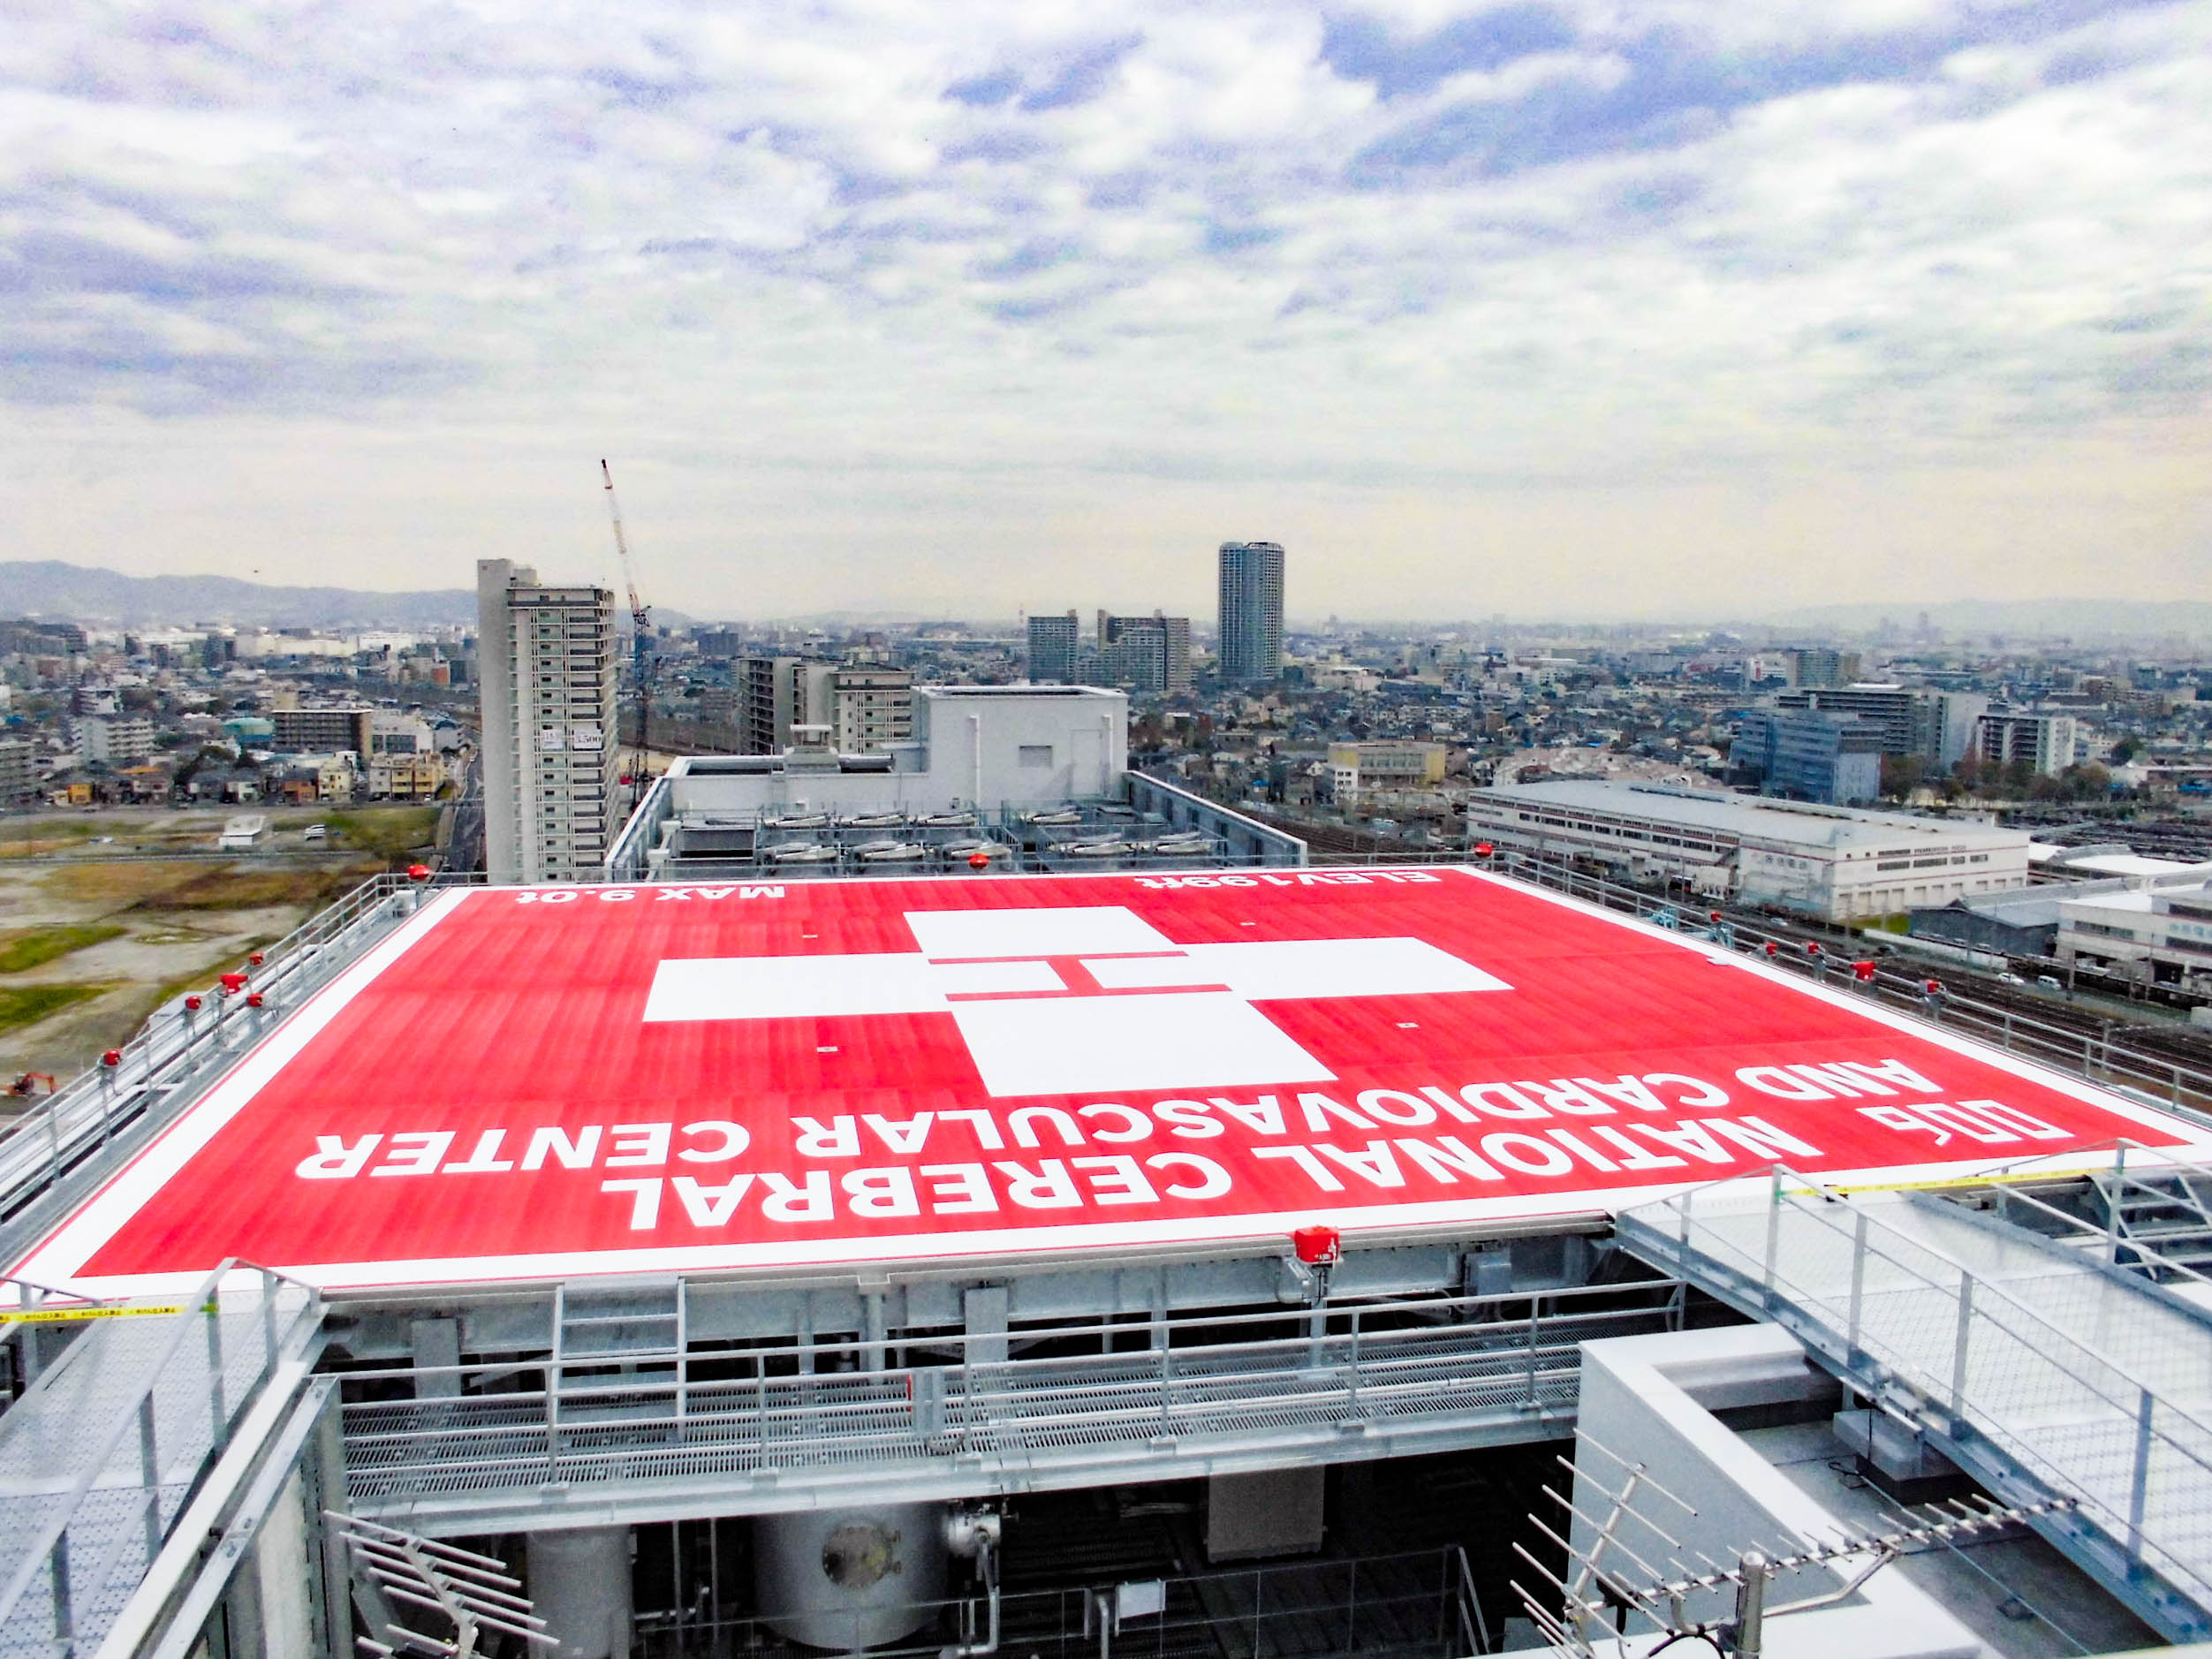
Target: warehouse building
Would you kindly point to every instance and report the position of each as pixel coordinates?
(1833, 862)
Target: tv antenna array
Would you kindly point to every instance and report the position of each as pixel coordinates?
(1612, 1579)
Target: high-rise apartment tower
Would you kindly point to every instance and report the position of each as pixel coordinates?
(1251, 611)
(547, 656)
(1052, 647)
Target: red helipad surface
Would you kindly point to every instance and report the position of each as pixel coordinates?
(534, 1083)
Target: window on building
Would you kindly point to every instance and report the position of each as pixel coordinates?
(1035, 754)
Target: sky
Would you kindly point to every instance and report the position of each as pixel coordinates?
(1566, 308)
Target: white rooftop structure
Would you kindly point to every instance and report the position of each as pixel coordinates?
(1835, 861)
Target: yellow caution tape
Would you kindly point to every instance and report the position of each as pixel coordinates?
(53, 1316)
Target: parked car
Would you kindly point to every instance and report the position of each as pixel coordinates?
(2010, 978)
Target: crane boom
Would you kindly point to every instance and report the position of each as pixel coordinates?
(640, 637)
(640, 615)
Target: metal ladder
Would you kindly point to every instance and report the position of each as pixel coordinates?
(618, 1361)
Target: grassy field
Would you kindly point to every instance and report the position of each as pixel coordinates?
(34, 947)
(98, 929)
(27, 1005)
(392, 833)
(232, 889)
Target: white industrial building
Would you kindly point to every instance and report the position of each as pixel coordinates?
(1836, 862)
(2159, 935)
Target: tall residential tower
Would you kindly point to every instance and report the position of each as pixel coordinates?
(550, 734)
(1251, 611)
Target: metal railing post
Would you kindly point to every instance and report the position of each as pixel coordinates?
(1535, 1322)
(2139, 1487)
(1959, 1345)
(218, 1415)
(1774, 1233)
(1167, 1378)
(1353, 1404)
(1857, 1282)
(150, 1476)
(57, 1571)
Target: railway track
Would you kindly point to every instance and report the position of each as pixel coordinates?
(2172, 1061)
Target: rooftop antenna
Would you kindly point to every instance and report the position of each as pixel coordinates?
(1587, 1607)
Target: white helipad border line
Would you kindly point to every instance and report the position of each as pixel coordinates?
(85, 1233)
(70, 1246)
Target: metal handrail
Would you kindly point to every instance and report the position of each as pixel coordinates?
(1437, 1311)
(2144, 1409)
(1147, 1393)
(51, 1550)
(1965, 1272)
(39, 1146)
(2115, 1241)
(1902, 991)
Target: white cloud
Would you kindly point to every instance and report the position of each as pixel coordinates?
(1149, 277)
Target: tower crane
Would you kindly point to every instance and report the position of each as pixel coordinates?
(640, 631)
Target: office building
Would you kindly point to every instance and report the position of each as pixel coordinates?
(19, 773)
(1810, 754)
(1358, 768)
(2153, 935)
(1835, 862)
(1821, 669)
(774, 700)
(547, 658)
(1053, 643)
(1251, 611)
(867, 709)
(2043, 743)
(317, 731)
(1937, 725)
(115, 739)
(1147, 654)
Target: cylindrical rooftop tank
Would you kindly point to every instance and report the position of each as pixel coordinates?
(850, 1578)
(580, 1583)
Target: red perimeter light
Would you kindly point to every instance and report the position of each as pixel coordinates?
(1483, 849)
(1863, 972)
(255, 961)
(979, 860)
(1810, 949)
(418, 872)
(112, 1057)
(252, 999)
(1319, 1245)
(192, 1004)
(233, 983)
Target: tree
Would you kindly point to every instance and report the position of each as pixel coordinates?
(1901, 774)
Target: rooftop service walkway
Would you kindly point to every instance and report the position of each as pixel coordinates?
(2036, 1369)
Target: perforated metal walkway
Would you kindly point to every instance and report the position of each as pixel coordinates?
(101, 1454)
(2037, 1370)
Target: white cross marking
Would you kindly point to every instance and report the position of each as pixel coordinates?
(1142, 1012)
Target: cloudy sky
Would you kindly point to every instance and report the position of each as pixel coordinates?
(1647, 308)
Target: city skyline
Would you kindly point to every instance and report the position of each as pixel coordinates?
(1542, 309)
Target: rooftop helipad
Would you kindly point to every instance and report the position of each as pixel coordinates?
(538, 1083)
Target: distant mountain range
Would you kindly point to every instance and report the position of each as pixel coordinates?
(51, 590)
(2072, 619)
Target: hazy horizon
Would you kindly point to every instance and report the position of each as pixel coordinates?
(1543, 309)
